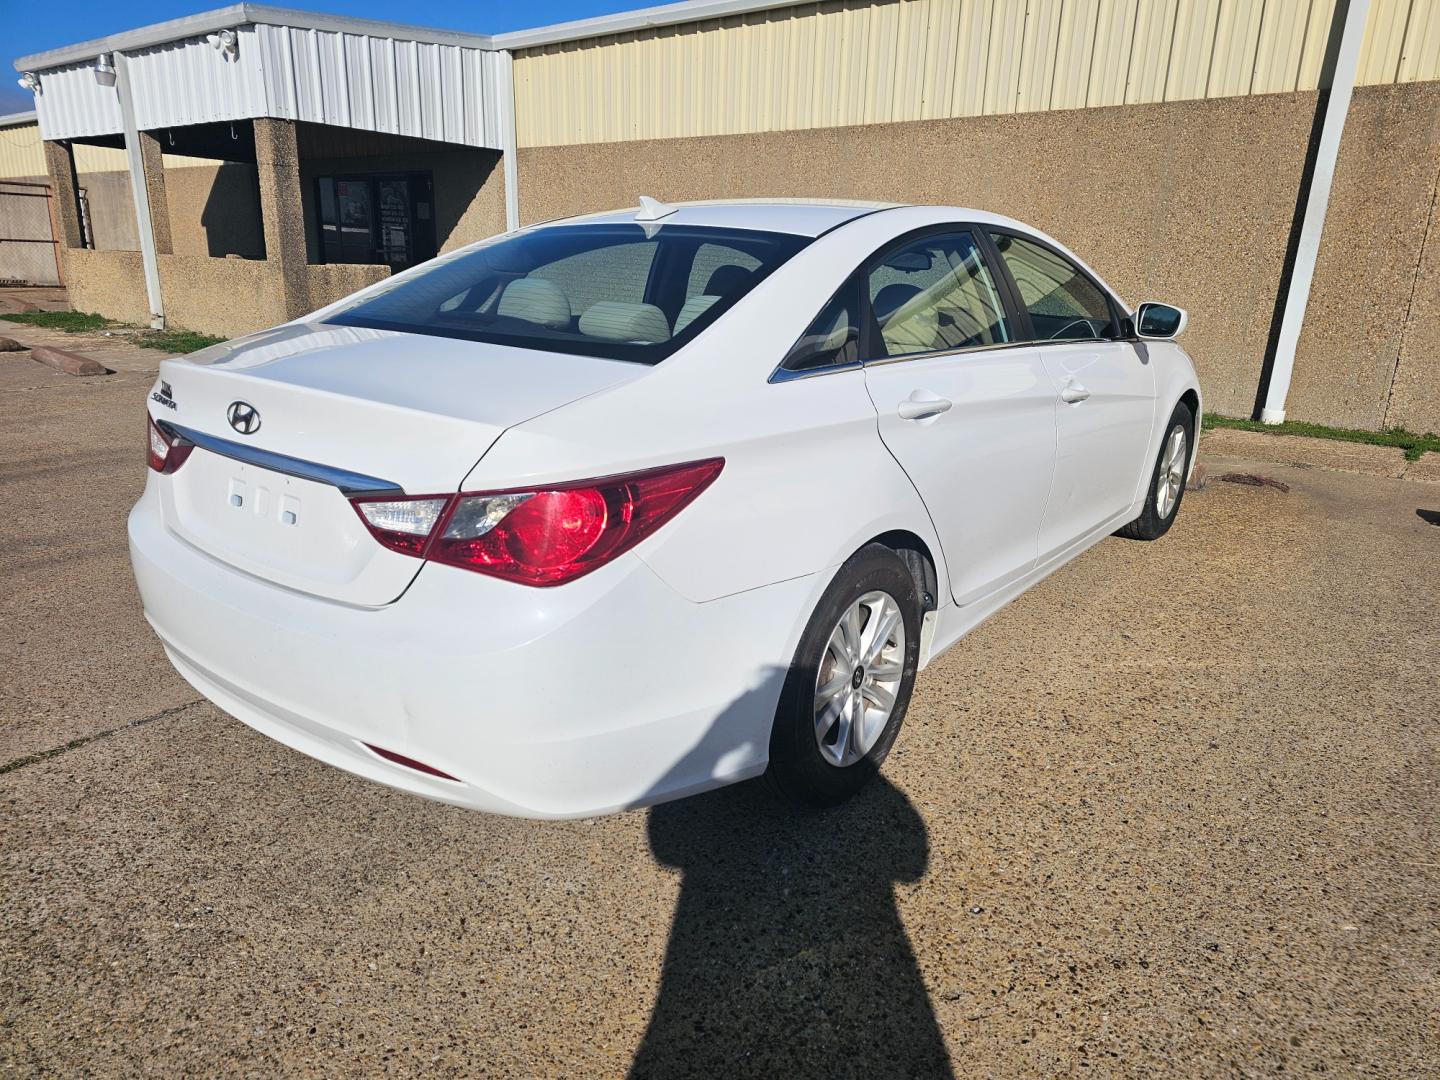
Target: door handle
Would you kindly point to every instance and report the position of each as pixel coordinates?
(921, 404)
(1073, 392)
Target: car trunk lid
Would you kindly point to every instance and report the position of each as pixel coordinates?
(289, 423)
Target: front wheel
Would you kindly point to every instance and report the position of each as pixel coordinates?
(1167, 483)
(847, 690)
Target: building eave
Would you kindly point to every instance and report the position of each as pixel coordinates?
(690, 11)
(207, 22)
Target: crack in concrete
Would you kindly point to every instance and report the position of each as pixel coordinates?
(75, 744)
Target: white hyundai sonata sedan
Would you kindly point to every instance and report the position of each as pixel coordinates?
(615, 509)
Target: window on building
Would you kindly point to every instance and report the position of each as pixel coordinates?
(376, 219)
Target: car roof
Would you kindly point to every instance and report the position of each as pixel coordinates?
(798, 217)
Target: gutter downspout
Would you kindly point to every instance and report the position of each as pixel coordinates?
(1340, 81)
(135, 159)
(505, 90)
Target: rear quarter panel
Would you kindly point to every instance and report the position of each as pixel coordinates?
(806, 479)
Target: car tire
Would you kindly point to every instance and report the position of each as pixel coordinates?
(1172, 469)
(817, 759)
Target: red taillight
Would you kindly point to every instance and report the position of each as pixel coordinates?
(167, 452)
(541, 537)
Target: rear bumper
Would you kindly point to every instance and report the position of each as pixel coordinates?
(610, 692)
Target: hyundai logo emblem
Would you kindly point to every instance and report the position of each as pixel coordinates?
(244, 417)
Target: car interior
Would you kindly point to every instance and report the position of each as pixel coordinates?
(613, 293)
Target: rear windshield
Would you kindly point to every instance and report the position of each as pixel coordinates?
(623, 292)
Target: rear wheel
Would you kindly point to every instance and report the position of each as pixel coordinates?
(1167, 482)
(847, 690)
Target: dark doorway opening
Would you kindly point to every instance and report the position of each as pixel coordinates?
(384, 218)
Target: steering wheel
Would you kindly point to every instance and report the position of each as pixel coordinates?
(1089, 329)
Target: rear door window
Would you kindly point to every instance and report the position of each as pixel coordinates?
(935, 294)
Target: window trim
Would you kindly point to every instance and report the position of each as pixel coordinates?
(1117, 316)
(1015, 310)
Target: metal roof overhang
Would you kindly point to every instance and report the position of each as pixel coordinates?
(357, 73)
(208, 22)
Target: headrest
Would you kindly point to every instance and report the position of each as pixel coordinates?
(892, 298)
(614, 321)
(728, 279)
(535, 300)
(693, 309)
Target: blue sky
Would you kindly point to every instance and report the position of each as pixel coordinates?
(28, 26)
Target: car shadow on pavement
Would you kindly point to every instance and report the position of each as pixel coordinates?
(787, 956)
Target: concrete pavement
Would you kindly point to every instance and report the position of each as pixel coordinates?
(1173, 812)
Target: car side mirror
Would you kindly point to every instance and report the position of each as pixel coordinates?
(1159, 321)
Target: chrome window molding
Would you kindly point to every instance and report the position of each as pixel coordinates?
(350, 484)
(783, 374)
(963, 351)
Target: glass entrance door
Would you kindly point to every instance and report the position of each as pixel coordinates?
(376, 219)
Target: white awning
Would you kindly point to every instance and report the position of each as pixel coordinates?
(354, 73)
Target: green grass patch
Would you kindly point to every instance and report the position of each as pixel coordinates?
(176, 341)
(1414, 445)
(78, 322)
(72, 322)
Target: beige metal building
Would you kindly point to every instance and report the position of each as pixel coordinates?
(1189, 148)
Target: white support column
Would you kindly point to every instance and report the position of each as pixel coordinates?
(1337, 107)
(135, 157)
(505, 95)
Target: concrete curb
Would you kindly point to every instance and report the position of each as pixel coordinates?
(68, 362)
(1306, 452)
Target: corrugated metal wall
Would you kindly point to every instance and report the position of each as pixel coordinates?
(426, 90)
(189, 82)
(72, 104)
(837, 63)
(429, 91)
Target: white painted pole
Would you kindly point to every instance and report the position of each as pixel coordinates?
(505, 94)
(1342, 83)
(139, 190)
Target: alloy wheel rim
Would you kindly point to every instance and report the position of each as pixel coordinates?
(1172, 472)
(858, 678)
